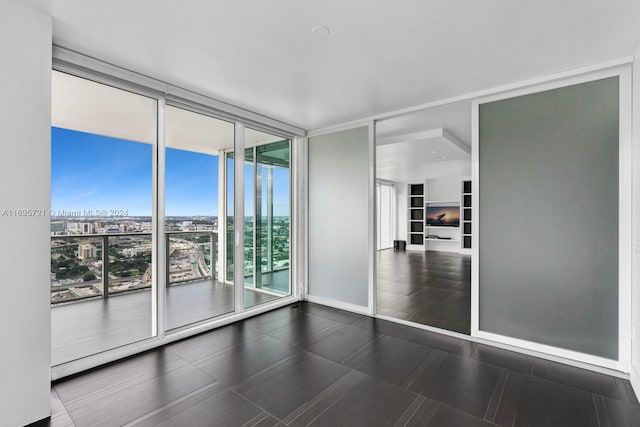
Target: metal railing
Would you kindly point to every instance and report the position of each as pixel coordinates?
(196, 258)
(200, 270)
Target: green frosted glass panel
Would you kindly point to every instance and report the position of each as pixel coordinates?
(338, 216)
(549, 217)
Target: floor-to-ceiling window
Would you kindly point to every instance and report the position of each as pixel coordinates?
(144, 237)
(101, 217)
(267, 233)
(195, 285)
(385, 215)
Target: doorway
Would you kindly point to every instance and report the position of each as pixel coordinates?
(423, 217)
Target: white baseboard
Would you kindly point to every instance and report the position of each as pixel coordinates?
(490, 340)
(551, 353)
(634, 378)
(359, 309)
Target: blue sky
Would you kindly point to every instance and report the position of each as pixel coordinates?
(97, 172)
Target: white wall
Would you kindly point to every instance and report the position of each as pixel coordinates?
(25, 326)
(635, 300)
(401, 214)
(444, 189)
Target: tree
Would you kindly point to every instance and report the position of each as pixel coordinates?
(89, 276)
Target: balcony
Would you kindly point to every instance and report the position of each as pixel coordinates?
(101, 288)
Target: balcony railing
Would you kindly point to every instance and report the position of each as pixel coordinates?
(191, 258)
(100, 265)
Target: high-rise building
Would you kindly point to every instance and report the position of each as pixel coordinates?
(73, 227)
(86, 251)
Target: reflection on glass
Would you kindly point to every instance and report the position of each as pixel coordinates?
(267, 218)
(192, 188)
(249, 209)
(230, 217)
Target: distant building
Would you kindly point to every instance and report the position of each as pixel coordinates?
(73, 227)
(86, 251)
(132, 252)
(87, 228)
(57, 227)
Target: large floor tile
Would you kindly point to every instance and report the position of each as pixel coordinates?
(614, 413)
(369, 402)
(380, 326)
(330, 313)
(342, 343)
(288, 385)
(576, 377)
(503, 358)
(528, 401)
(304, 329)
(439, 341)
(462, 383)
(389, 359)
(118, 406)
(446, 416)
(239, 363)
(207, 344)
(431, 288)
(117, 375)
(213, 406)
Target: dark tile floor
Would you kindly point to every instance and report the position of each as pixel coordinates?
(311, 365)
(431, 288)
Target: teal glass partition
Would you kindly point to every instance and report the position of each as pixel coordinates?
(548, 231)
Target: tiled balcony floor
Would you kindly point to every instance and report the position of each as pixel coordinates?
(92, 326)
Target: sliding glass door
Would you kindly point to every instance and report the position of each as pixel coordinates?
(102, 143)
(149, 206)
(195, 289)
(551, 221)
(267, 217)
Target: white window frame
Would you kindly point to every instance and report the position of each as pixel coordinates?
(92, 69)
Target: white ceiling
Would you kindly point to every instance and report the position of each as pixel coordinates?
(86, 106)
(415, 160)
(380, 55)
(429, 144)
(455, 118)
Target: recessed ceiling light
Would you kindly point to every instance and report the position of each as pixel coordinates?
(320, 31)
(433, 152)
